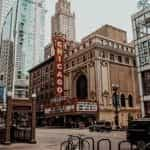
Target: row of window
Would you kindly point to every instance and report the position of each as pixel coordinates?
(122, 101)
(120, 59)
(146, 82)
(79, 60)
(102, 42)
(144, 52)
(43, 71)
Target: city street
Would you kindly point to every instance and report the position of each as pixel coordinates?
(50, 139)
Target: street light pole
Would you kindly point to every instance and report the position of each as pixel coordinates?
(116, 104)
(33, 134)
(8, 118)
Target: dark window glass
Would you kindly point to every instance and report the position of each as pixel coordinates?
(72, 63)
(127, 60)
(134, 62)
(119, 58)
(84, 58)
(146, 82)
(123, 102)
(111, 57)
(130, 101)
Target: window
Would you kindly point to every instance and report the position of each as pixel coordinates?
(111, 57)
(84, 58)
(67, 66)
(91, 55)
(72, 63)
(51, 67)
(1, 77)
(130, 101)
(120, 59)
(146, 82)
(134, 62)
(103, 54)
(123, 102)
(127, 60)
(46, 69)
(84, 46)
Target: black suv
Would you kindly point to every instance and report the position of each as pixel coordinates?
(138, 131)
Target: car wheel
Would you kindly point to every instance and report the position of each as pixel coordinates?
(140, 145)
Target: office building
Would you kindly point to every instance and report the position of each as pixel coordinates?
(5, 6)
(141, 32)
(64, 20)
(29, 42)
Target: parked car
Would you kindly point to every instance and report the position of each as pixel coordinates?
(138, 131)
(108, 126)
(101, 126)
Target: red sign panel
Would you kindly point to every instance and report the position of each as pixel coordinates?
(59, 43)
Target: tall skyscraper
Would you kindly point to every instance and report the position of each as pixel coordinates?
(27, 35)
(141, 31)
(6, 44)
(4, 8)
(6, 64)
(64, 20)
(29, 42)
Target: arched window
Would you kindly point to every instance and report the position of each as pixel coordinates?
(123, 102)
(130, 101)
(81, 87)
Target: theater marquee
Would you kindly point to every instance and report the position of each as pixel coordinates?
(59, 44)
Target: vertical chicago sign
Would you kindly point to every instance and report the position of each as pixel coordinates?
(59, 45)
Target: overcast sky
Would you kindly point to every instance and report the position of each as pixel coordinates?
(92, 14)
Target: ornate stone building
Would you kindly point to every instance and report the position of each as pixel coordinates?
(102, 59)
(91, 69)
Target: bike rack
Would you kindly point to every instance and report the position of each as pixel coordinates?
(102, 140)
(92, 140)
(67, 143)
(122, 142)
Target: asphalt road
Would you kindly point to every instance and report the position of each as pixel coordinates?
(50, 139)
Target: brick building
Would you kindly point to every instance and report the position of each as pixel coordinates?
(42, 81)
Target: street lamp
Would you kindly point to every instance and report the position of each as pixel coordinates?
(115, 87)
(33, 98)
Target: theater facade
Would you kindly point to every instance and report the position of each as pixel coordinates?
(90, 69)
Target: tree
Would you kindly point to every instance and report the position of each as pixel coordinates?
(142, 4)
